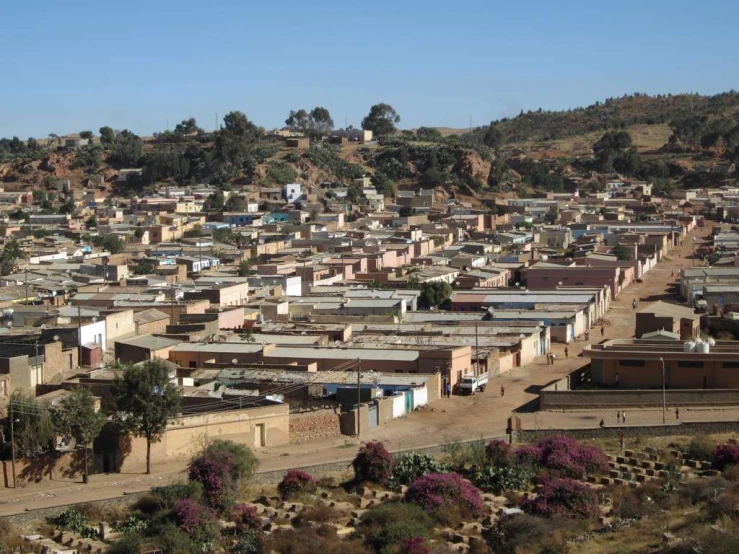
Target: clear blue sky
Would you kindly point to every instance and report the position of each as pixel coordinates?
(70, 66)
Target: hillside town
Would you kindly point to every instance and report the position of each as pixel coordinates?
(300, 316)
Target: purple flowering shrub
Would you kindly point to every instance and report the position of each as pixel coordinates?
(725, 455)
(295, 482)
(567, 457)
(373, 463)
(436, 492)
(414, 545)
(498, 453)
(528, 456)
(563, 498)
(196, 520)
(214, 473)
(245, 517)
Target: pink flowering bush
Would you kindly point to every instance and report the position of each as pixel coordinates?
(436, 492)
(295, 482)
(569, 458)
(563, 498)
(415, 545)
(214, 473)
(245, 517)
(498, 453)
(373, 463)
(725, 455)
(196, 520)
(529, 456)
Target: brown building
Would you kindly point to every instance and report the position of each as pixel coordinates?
(638, 364)
(661, 316)
(146, 347)
(151, 321)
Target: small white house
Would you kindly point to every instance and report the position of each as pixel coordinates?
(292, 192)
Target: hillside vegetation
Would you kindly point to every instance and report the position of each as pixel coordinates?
(675, 141)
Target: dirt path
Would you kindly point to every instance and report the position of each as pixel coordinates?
(459, 418)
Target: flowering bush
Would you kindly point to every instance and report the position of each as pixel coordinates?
(570, 458)
(498, 453)
(245, 517)
(529, 456)
(563, 498)
(415, 545)
(214, 473)
(294, 482)
(725, 455)
(501, 479)
(196, 520)
(411, 466)
(439, 491)
(373, 463)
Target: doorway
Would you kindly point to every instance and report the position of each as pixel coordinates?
(260, 435)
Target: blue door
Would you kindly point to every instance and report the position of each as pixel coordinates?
(409, 401)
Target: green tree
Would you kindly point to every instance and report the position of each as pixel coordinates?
(145, 400)
(610, 145)
(434, 294)
(114, 245)
(91, 222)
(127, 150)
(318, 121)
(244, 268)
(281, 173)
(621, 252)
(33, 425)
(383, 184)
(107, 136)
(144, 267)
(12, 252)
(86, 135)
(353, 194)
(187, 127)
(79, 417)
(493, 137)
(381, 120)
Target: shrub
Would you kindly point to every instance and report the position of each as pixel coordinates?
(245, 517)
(213, 471)
(130, 543)
(245, 463)
(441, 491)
(563, 498)
(295, 482)
(529, 456)
(700, 448)
(415, 545)
(411, 466)
(468, 454)
(569, 458)
(392, 523)
(696, 491)
(725, 455)
(251, 541)
(197, 521)
(173, 540)
(519, 533)
(498, 453)
(501, 479)
(166, 497)
(373, 463)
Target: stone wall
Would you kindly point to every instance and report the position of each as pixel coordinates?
(629, 432)
(551, 399)
(307, 426)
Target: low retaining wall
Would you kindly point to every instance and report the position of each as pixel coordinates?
(308, 426)
(593, 399)
(629, 432)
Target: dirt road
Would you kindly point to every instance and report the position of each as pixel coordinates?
(458, 418)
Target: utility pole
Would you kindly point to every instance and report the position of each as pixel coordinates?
(171, 303)
(26, 298)
(664, 396)
(359, 395)
(79, 329)
(12, 440)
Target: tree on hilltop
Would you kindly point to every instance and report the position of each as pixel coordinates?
(381, 120)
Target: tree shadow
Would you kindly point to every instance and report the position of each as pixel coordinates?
(76, 467)
(529, 407)
(39, 468)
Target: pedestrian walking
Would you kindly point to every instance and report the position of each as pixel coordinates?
(621, 441)
(677, 413)
(633, 304)
(448, 390)
(602, 331)
(502, 391)
(587, 334)
(567, 353)
(623, 416)
(602, 423)
(618, 416)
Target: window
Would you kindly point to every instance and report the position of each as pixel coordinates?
(193, 364)
(631, 363)
(690, 364)
(730, 365)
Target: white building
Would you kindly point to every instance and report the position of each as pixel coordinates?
(292, 192)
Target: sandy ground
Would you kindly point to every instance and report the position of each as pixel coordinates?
(459, 418)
